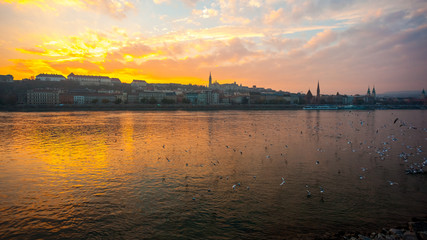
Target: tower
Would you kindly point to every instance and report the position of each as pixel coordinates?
(210, 79)
(374, 94)
(368, 93)
(318, 93)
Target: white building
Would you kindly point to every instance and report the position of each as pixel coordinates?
(138, 84)
(87, 80)
(50, 77)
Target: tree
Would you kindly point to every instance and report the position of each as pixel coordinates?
(168, 101)
(95, 100)
(118, 101)
(152, 100)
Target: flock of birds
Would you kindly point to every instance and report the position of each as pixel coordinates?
(382, 148)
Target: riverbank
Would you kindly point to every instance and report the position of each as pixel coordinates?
(414, 230)
(184, 107)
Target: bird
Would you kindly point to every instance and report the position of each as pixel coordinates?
(392, 183)
(317, 162)
(283, 181)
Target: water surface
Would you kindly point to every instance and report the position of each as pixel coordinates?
(170, 175)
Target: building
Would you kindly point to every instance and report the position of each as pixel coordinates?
(133, 98)
(43, 96)
(308, 97)
(94, 98)
(6, 78)
(318, 93)
(151, 97)
(50, 77)
(138, 84)
(370, 98)
(79, 100)
(66, 98)
(116, 81)
(87, 80)
(203, 97)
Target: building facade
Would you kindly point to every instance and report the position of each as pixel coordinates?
(50, 77)
(87, 80)
(6, 78)
(43, 96)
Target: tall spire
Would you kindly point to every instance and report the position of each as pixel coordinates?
(369, 91)
(318, 89)
(374, 94)
(210, 79)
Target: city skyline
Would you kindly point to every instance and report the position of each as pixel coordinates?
(283, 45)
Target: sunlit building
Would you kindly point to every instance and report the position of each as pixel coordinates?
(138, 84)
(88, 80)
(50, 77)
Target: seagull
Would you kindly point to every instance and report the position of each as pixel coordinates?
(283, 181)
(393, 183)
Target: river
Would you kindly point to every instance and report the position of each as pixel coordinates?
(209, 174)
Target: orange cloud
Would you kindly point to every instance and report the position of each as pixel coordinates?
(114, 8)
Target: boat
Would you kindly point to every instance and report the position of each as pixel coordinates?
(320, 107)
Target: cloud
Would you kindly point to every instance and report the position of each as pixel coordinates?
(274, 16)
(160, 1)
(113, 8)
(205, 13)
(321, 39)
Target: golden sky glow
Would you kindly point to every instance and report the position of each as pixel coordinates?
(282, 44)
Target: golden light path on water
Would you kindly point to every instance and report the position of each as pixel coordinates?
(213, 174)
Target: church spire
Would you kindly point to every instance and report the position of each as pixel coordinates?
(210, 79)
(318, 89)
(369, 91)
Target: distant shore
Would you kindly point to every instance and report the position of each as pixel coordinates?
(183, 107)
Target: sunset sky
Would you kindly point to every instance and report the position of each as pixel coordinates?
(287, 45)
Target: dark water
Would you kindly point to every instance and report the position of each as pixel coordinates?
(170, 175)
